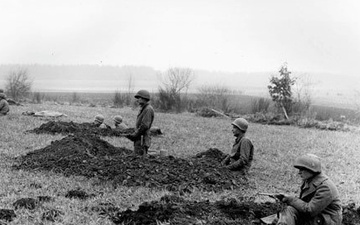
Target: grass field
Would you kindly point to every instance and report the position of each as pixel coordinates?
(184, 135)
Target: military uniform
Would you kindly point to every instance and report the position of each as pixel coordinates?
(319, 203)
(4, 105)
(141, 136)
(241, 155)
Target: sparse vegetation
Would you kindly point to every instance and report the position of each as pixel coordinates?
(214, 96)
(18, 84)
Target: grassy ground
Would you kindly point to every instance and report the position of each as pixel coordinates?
(184, 135)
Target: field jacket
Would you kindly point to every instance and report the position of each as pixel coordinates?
(319, 196)
(241, 154)
(4, 107)
(143, 124)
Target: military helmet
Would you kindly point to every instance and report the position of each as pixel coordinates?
(143, 94)
(2, 96)
(241, 123)
(118, 119)
(99, 118)
(310, 162)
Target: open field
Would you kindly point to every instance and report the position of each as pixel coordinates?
(184, 135)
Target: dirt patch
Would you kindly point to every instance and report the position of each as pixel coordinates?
(88, 155)
(26, 203)
(80, 194)
(7, 215)
(175, 210)
(63, 127)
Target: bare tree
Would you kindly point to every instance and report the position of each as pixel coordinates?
(18, 84)
(177, 79)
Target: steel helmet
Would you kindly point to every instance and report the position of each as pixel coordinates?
(310, 162)
(118, 119)
(241, 123)
(143, 94)
(99, 118)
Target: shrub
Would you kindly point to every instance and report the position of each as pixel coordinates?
(260, 105)
(118, 99)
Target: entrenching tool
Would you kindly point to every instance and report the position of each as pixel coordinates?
(274, 217)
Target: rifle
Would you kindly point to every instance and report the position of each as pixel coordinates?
(274, 196)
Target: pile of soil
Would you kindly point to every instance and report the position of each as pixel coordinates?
(87, 155)
(177, 211)
(63, 127)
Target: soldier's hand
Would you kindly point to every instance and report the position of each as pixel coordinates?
(279, 196)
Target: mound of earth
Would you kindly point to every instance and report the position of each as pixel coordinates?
(63, 127)
(88, 155)
(177, 211)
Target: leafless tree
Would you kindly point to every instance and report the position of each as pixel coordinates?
(18, 84)
(177, 79)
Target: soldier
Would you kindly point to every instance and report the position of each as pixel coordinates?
(4, 105)
(241, 155)
(319, 201)
(119, 124)
(144, 120)
(99, 122)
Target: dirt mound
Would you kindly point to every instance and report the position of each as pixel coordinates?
(88, 155)
(62, 127)
(175, 210)
(212, 153)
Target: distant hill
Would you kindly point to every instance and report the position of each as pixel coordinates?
(94, 78)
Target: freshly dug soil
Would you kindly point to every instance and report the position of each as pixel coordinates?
(88, 155)
(62, 127)
(177, 211)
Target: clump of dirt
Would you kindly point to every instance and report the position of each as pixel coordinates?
(44, 198)
(51, 215)
(351, 214)
(212, 153)
(7, 215)
(88, 155)
(175, 210)
(63, 127)
(26, 203)
(80, 194)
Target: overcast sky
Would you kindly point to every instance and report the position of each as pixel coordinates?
(226, 35)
